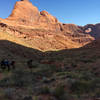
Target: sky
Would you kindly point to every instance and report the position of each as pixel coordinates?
(80, 12)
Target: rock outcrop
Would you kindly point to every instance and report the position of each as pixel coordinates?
(45, 17)
(42, 30)
(25, 12)
(93, 30)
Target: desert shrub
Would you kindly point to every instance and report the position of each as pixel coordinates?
(73, 64)
(8, 93)
(27, 98)
(86, 75)
(87, 60)
(97, 93)
(18, 78)
(5, 82)
(45, 70)
(21, 78)
(61, 73)
(83, 86)
(35, 98)
(60, 93)
(69, 74)
(45, 90)
(35, 64)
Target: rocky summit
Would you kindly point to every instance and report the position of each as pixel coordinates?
(26, 13)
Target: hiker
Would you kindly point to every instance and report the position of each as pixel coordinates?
(7, 64)
(13, 64)
(30, 65)
(2, 63)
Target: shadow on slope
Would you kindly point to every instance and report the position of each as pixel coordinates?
(81, 77)
(10, 49)
(86, 58)
(75, 58)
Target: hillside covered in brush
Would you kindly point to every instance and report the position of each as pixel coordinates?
(65, 57)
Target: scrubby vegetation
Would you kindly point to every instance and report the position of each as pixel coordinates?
(60, 75)
(45, 80)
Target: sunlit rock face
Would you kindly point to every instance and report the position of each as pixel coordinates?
(24, 11)
(45, 17)
(27, 14)
(42, 30)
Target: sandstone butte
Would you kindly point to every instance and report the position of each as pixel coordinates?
(26, 13)
(43, 31)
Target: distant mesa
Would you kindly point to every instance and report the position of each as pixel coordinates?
(93, 30)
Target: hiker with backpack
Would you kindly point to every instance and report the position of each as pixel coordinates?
(29, 64)
(6, 64)
(2, 63)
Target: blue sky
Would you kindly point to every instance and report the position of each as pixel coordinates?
(80, 12)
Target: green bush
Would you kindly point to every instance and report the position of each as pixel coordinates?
(45, 90)
(59, 93)
(21, 78)
(83, 86)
